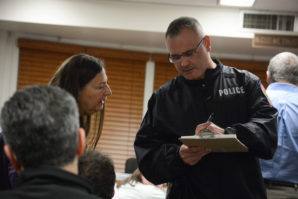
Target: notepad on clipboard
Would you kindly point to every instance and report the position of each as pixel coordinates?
(218, 143)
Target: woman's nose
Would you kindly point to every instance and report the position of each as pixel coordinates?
(108, 91)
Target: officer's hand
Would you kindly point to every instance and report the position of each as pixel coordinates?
(210, 126)
(192, 155)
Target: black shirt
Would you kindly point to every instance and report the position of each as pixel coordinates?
(49, 183)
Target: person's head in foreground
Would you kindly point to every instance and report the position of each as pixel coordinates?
(43, 141)
(283, 67)
(99, 170)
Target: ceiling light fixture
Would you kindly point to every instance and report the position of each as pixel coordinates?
(237, 3)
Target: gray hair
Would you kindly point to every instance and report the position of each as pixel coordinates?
(284, 66)
(180, 23)
(40, 124)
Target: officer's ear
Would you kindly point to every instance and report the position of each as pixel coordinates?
(268, 77)
(207, 43)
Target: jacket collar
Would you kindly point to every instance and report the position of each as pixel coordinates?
(210, 75)
(52, 175)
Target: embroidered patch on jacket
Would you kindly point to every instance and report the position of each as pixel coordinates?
(231, 91)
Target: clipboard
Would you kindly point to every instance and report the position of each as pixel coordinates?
(218, 143)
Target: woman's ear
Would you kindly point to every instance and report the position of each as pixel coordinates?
(12, 158)
(82, 141)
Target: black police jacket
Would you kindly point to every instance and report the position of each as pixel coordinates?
(237, 100)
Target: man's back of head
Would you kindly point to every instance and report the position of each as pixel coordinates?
(40, 125)
(99, 170)
(43, 141)
(283, 67)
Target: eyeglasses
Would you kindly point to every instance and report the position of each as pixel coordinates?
(188, 54)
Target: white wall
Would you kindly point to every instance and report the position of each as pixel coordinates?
(9, 56)
(149, 83)
(118, 15)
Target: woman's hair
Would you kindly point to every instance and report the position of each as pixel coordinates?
(73, 75)
(132, 179)
(75, 72)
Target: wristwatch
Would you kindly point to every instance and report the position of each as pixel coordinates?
(230, 130)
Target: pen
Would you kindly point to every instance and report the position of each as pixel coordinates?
(206, 132)
(210, 119)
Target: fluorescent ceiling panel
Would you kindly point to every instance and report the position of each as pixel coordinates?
(237, 3)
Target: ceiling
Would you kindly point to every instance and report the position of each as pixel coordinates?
(151, 41)
(266, 5)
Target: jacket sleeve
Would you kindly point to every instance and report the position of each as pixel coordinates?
(259, 134)
(157, 153)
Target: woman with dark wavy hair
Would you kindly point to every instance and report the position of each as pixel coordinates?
(84, 76)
